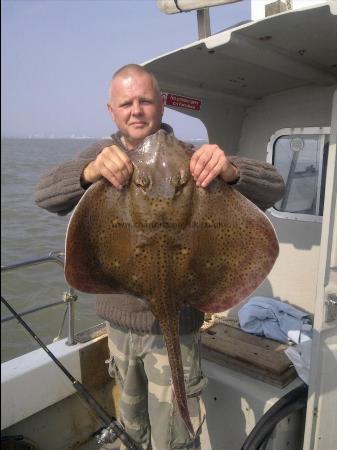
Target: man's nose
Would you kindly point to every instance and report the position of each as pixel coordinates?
(136, 108)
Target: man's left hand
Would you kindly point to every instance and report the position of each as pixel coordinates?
(208, 162)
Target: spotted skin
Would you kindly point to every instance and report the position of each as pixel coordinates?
(167, 241)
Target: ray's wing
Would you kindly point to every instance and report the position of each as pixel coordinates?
(234, 247)
(99, 240)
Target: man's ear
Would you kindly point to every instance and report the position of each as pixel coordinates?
(110, 111)
(163, 101)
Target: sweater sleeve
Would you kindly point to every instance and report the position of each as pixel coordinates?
(59, 189)
(259, 181)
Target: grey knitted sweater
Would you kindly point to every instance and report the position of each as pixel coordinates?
(60, 189)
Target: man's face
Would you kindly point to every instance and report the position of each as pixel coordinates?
(136, 107)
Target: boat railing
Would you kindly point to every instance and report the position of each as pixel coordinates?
(69, 297)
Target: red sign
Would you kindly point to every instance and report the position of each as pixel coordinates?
(181, 101)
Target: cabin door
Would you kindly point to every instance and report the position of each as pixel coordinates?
(321, 417)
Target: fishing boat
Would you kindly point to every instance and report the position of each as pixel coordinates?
(265, 89)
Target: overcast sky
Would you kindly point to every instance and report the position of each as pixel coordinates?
(58, 57)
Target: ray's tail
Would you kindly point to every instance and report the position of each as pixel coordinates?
(166, 310)
(171, 335)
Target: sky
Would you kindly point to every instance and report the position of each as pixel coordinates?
(57, 58)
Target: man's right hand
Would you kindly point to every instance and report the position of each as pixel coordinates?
(113, 164)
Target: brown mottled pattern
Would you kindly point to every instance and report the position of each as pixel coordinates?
(169, 242)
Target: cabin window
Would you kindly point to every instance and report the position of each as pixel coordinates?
(300, 156)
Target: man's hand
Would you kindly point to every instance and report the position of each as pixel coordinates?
(208, 162)
(113, 164)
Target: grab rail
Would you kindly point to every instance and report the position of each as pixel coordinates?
(69, 296)
(56, 256)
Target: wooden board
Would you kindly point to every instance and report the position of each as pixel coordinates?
(94, 371)
(258, 357)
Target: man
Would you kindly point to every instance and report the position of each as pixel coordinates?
(137, 108)
(138, 354)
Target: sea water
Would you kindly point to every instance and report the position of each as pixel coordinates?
(28, 232)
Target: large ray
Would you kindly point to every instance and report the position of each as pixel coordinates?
(169, 242)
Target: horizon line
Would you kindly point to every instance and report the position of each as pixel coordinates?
(79, 137)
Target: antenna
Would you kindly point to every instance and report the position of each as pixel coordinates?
(201, 6)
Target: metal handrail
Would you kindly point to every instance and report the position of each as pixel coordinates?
(69, 297)
(30, 311)
(56, 256)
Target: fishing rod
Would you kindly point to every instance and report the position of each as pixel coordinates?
(113, 429)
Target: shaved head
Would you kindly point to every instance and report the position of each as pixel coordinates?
(130, 70)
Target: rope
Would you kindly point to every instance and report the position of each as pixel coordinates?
(178, 7)
(213, 319)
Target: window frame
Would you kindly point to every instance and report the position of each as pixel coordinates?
(270, 159)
